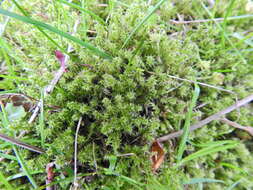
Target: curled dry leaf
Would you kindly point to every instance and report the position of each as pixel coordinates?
(158, 154)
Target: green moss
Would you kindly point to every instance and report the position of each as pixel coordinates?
(130, 100)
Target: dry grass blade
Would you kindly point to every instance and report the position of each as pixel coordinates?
(210, 20)
(75, 183)
(216, 116)
(20, 143)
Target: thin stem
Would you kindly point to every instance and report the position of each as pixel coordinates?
(208, 119)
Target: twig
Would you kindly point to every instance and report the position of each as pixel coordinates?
(20, 143)
(238, 126)
(208, 119)
(75, 184)
(209, 20)
(49, 89)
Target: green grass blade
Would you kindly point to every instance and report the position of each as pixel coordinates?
(187, 123)
(15, 78)
(228, 165)
(4, 181)
(22, 174)
(24, 167)
(139, 25)
(202, 180)
(208, 150)
(40, 29)
(226, 36)
(7, 156)
(73, 5)
(233, 185)
(214, 143)
(224, 23)
(18, 156)
(57, 31)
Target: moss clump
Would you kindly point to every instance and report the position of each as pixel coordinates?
(130, 100)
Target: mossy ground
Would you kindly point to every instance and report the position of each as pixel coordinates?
(130, 100)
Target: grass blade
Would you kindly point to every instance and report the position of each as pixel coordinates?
(18, 156)
(208, 150)
(22, 174)
(73, 5)
(40, 29)
(57, 31)
(225, 36)
(187, 124)
(139, 25)
(4, 181)
(228, 165)
(24, 167)
(233, 185)
(202, 180)
(7, 156)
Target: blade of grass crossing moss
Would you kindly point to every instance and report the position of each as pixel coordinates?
(142, 22)
(22, 174)
(208, 150)
(44, 33)
(247, 39)
(28, 20)
(224, 23)
(187, 124)
(226, 36)
(24, 167)
(4, 181)
(18, 156)
(202, 180)
(228, 165)
(73, 5)
(233, 185)
(7, 156)
(7, 61)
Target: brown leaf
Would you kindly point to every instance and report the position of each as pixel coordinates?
(157, 155)
(18, 100)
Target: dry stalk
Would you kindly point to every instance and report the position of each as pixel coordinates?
(215, 116)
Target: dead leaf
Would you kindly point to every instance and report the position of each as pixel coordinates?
(18, 100)
(158, 155)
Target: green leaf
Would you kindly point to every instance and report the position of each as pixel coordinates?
(14, 112)
(28, 20)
